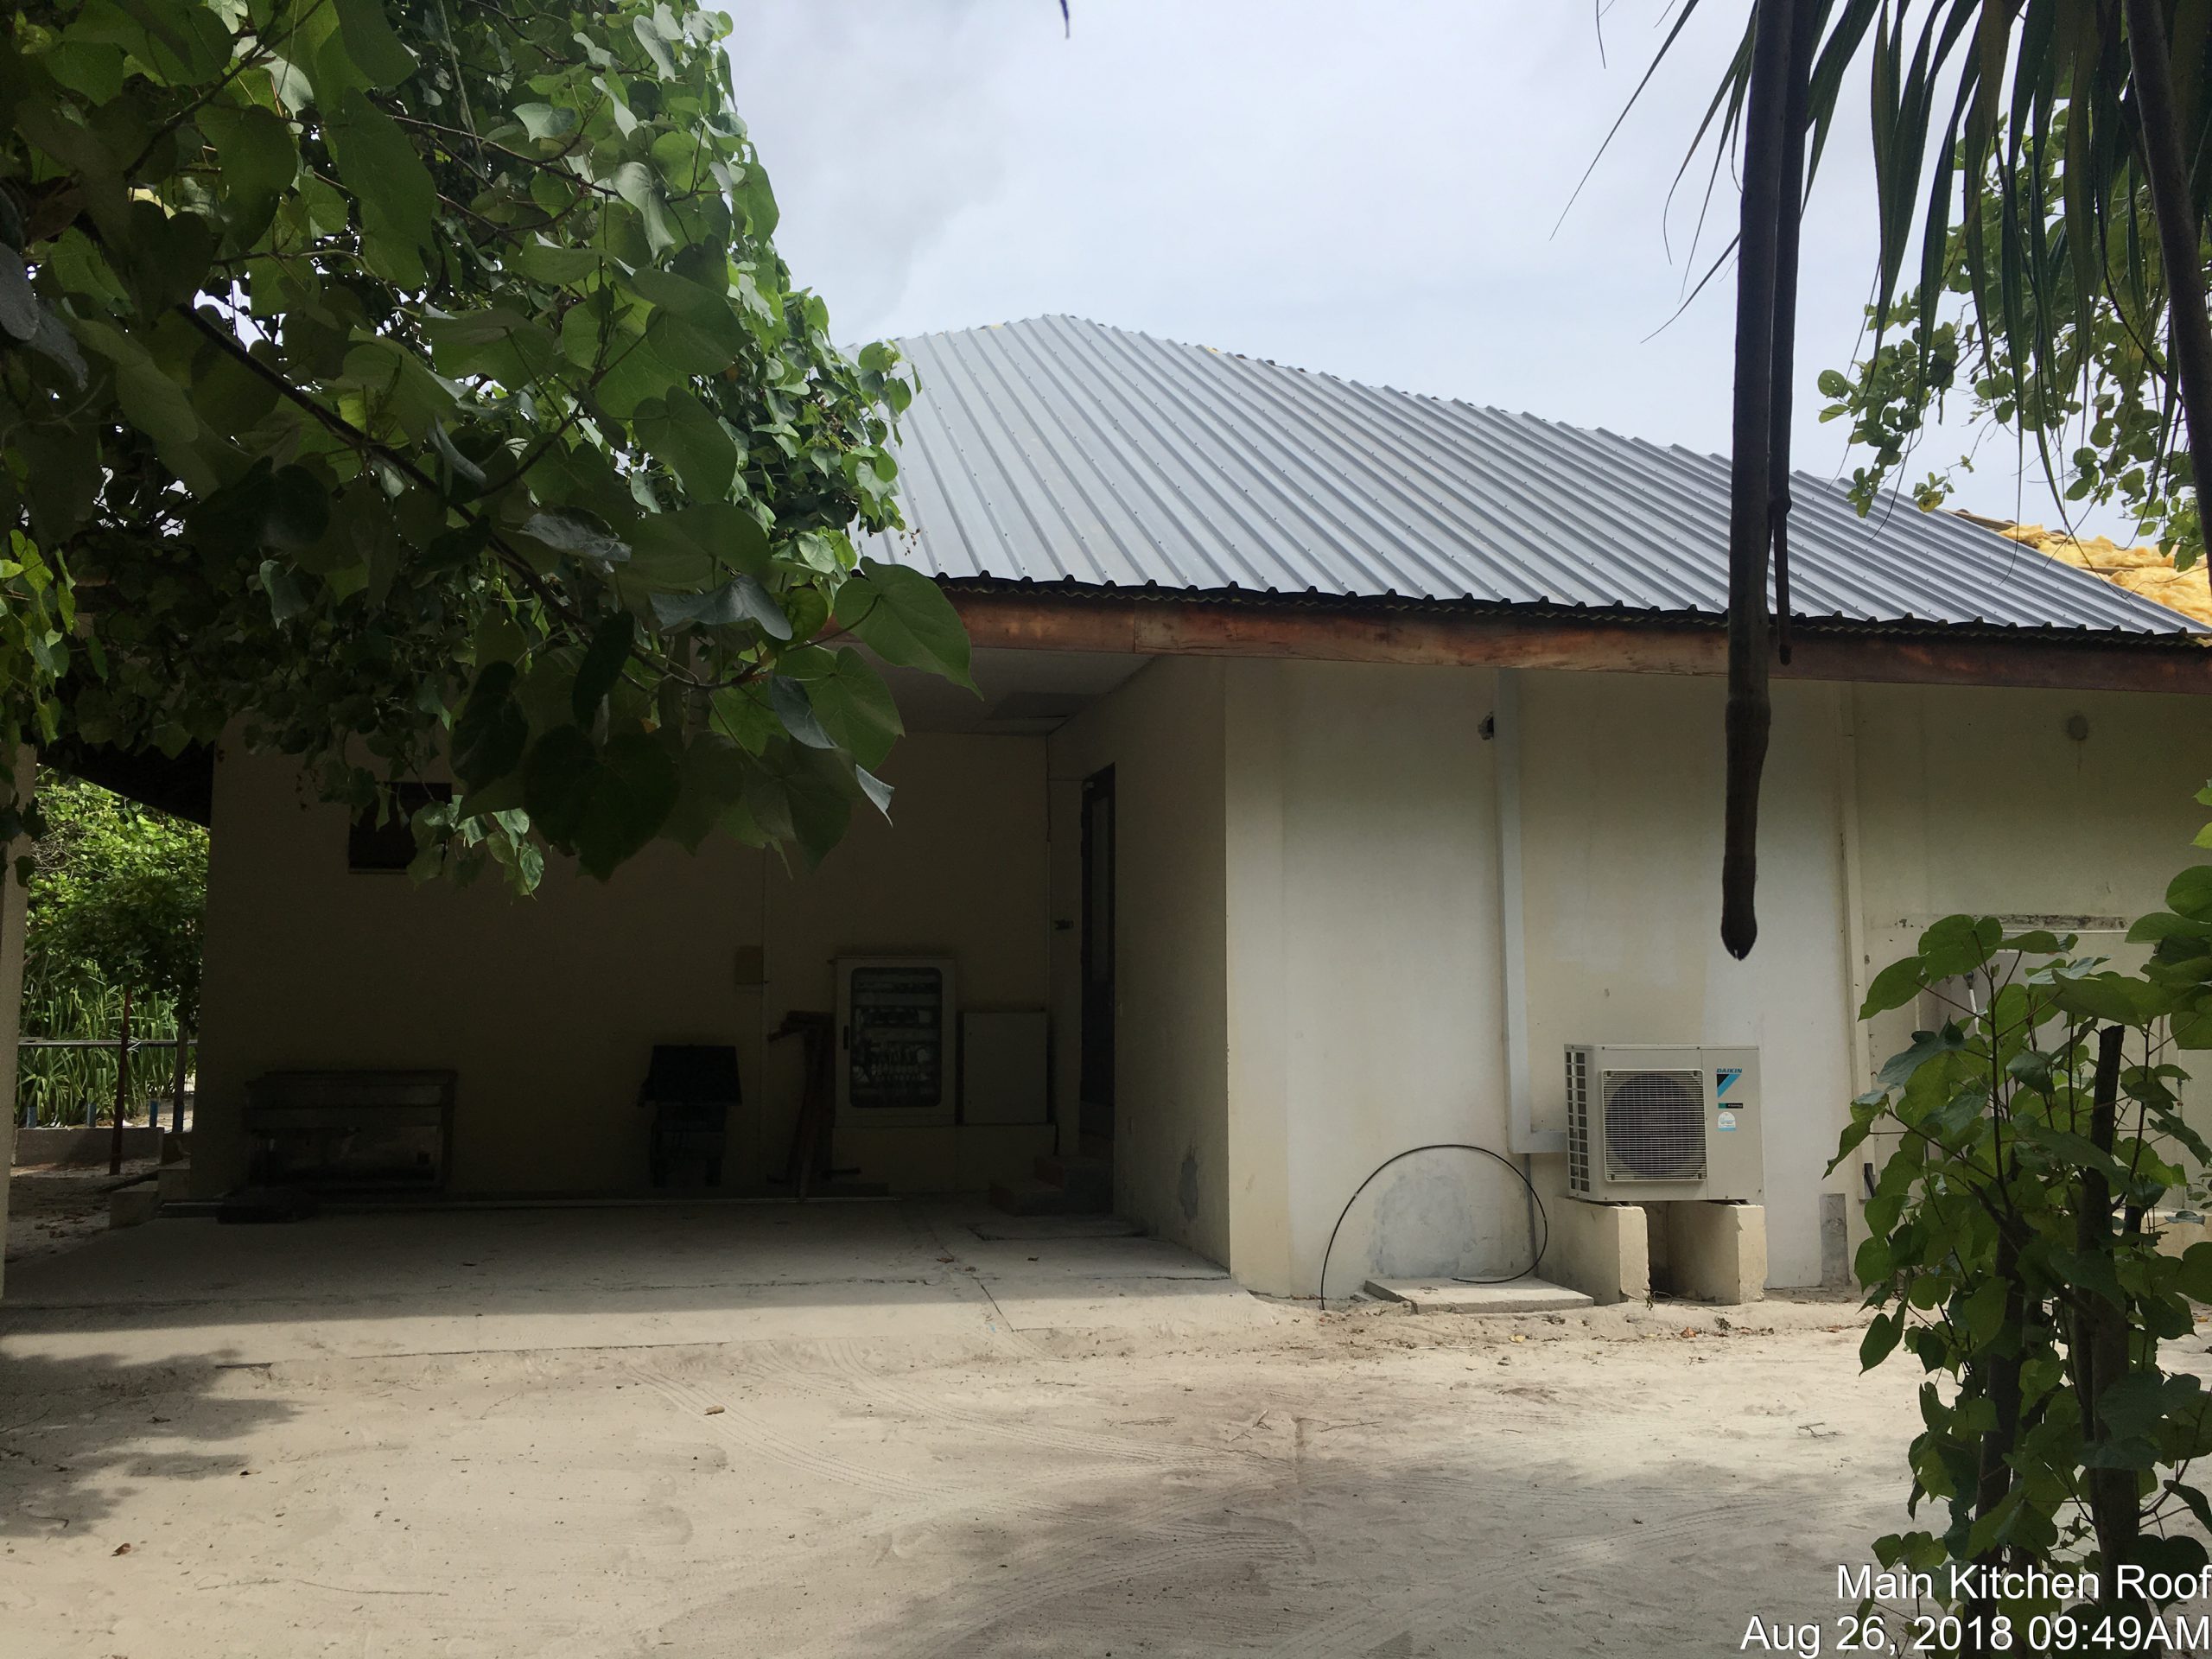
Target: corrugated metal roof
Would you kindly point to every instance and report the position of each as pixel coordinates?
(1056, 450)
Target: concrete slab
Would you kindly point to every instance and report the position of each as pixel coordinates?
(1036, 1227)
(1192, 1306)
(1341, 1486)
(1448, 1296)
(514, 1281)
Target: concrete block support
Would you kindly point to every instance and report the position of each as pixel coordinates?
(133, 1206)
(1717, 1252)
(1835, 1238)
(80, 1146)
(1604, 1251)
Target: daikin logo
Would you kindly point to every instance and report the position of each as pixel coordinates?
(1724, 1079)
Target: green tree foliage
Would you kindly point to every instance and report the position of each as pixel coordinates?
(394, 383)
(115, 902)
(2040, 161)
(2015, 1247)
(2102, 418)
(115, 897)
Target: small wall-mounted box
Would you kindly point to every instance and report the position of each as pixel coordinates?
(1002, 1067)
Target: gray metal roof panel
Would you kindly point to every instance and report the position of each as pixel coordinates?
(1056, 450)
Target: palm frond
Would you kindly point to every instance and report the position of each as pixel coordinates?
(2050, 161)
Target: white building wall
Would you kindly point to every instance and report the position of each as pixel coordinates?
(1621, 804)
(1978, 798)
(1987, 801)
(1309, 946)
(1365, 1015)
(1161, 732)
(1364, 972)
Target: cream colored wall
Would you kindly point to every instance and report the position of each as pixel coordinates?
(1364, 1011)
(548, 1007)
(1259, 1130)
(1973, 798)
(1308, 941)
(1367, 1007)
(1621, 804)
(1364, 973)
(961, 872)
(1161, 732)
(1980, 800)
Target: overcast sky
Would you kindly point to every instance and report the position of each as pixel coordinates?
(1366, 189)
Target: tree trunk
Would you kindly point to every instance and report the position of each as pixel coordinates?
(2003, 1438)
(2174, 204)
(122, 1088)
(2099, 1345)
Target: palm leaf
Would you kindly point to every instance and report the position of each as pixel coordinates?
(2025, 147)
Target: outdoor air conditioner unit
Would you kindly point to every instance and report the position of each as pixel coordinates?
(1648, 1125)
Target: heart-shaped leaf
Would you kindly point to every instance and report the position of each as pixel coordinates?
(904, 617)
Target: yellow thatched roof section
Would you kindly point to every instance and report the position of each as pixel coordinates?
(2142, 570)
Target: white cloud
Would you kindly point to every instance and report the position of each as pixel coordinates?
(1368, 190)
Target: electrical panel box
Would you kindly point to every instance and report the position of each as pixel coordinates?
(895, 1063)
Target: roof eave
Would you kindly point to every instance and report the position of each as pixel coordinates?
(1316, 627)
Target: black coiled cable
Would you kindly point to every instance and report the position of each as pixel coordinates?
(1543, 1221)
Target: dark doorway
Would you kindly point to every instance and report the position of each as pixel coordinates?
(1097, 1085)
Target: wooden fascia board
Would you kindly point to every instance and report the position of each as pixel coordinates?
(1173, 625)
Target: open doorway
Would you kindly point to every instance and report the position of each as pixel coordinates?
(1096, 1087)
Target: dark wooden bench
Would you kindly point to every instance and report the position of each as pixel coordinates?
(351, 1131)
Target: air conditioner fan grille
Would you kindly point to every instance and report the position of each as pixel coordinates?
(1655, 1125)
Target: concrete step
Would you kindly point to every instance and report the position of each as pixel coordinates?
(1088, 1181)
(1044, 1198)
(1449, 1296)
(175, 1182)
(133, 1205)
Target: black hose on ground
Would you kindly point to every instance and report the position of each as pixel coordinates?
(1541, 1242)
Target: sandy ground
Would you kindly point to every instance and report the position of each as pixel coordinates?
(1149, 1463)
(54, 1207)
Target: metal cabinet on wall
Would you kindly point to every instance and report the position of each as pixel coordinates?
(895, 1063)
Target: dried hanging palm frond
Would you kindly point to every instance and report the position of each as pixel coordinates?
(1775, 105)
(1972, 101)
